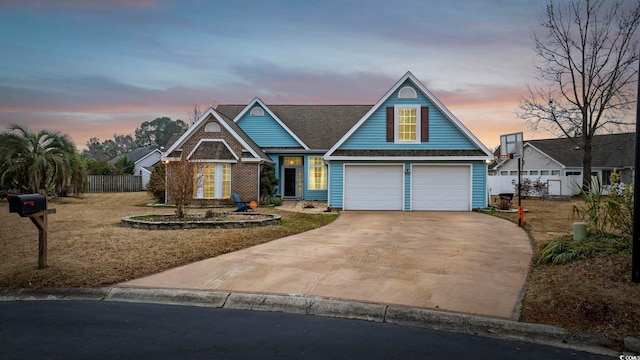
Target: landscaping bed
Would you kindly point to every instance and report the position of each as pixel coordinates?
(222, 220)
(594, 294)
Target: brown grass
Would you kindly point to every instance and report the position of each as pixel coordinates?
(593, 295)
(88, 248)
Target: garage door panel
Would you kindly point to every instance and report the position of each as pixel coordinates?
(441, 188)
(373, 187)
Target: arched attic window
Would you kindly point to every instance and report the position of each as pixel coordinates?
(407, 92)
(257, 111)
(212, 127)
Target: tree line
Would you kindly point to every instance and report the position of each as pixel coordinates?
(48, 160)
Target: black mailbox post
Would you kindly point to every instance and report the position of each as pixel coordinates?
(34, 206)
(27, 204)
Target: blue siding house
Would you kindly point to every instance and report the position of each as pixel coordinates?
(407, 152)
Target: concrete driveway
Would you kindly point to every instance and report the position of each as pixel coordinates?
(456, 261)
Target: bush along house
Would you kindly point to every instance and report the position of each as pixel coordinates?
(406, 152)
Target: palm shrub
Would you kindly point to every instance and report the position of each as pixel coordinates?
(619, 206)
(30, 162)
(594, 208)
(607, 214)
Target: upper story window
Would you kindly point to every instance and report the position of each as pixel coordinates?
(212, 127)
(257, 111)
(407, 124)
(407, 92)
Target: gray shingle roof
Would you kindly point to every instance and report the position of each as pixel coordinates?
(141, 152)
(612, 150)
(318, 126)
(212, 150)
(137, 154)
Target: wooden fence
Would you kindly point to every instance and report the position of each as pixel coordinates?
(114, 183)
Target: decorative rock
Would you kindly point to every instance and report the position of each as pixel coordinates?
(270, 219)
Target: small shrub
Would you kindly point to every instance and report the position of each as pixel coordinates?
(275, 200)
(564, 249)
(612, 214)
(529, 187)
(593, 210)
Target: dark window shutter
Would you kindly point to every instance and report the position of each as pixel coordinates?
(424, 123)
(390, 127)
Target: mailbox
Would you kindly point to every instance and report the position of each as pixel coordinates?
(27, 203)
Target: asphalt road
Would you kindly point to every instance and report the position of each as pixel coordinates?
(112, 330)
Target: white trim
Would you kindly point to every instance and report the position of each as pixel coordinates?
(308, 166)
(265, 107)
(252, 160)
(329, 185)
(470, 166)
(149, 154)
(396, 123)
(405, 158)
(217, 181)
(545, 154)
(526, 144)
(344, 180)
(429, 96)
(212, 160)
(210, 112)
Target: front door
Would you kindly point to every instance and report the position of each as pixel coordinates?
(290, 179)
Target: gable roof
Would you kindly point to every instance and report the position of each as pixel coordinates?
(230, 126)
(211, 149)
(317, 126)
(257, 100)
(142, 152)
(138, 153)
(611, 150)
(409, 76)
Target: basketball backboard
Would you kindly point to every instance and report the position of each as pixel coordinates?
(511, 144)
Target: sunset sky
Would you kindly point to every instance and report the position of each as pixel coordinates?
(95, 68)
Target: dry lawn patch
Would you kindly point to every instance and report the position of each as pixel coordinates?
(595, 295)
(89, 248)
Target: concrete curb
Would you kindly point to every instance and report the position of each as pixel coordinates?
(339, 308)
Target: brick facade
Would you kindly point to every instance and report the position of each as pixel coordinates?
(245, 176)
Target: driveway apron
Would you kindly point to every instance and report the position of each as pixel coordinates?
(456, 261)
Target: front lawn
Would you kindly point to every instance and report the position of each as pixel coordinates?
(89, 248)
(593, 294)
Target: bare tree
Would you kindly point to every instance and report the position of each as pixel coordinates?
(588, 55)
(194, 114)
(176, 179)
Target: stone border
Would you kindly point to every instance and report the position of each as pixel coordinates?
(272, 219)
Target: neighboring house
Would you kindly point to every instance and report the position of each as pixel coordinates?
(406, 152)
(144, 158)
(558, 163)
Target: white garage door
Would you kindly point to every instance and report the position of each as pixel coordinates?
(373, 187)
(436, 187)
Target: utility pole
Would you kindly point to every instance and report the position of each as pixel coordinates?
(635, 249)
